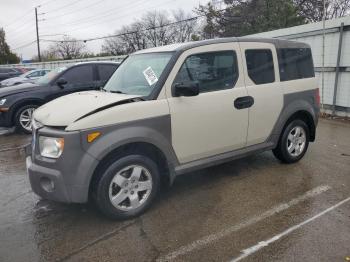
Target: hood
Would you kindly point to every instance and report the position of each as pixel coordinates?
(68, 109)
(21, 88)
(13, 80)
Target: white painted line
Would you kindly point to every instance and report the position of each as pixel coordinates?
(231, 229)
(249, 251)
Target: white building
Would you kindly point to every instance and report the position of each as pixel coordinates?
(313, 35)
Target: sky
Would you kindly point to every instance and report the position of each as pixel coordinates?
(80, 19)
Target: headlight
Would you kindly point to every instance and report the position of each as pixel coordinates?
(51, 147)
(2, 101)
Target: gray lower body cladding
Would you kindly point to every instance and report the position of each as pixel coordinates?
(295, 102)
(71, 173)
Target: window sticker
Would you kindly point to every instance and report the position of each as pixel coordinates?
(150, 76)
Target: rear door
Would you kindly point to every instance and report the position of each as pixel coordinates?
(104, 73)
(263, 85)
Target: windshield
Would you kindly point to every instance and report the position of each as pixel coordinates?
(46, 79)
(26, 73)
(138, 74)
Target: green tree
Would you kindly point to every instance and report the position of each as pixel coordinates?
(6, 56)
(243, 17)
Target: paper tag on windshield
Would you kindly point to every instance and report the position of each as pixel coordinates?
(150, 76)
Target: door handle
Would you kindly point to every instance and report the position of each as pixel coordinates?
(244, 102)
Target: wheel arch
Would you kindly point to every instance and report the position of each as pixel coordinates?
(22, 103)
(301, 109)
(137, 147)
(307, 118)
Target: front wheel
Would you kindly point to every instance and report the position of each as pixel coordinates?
(23, 118)
(127, 187)
(293, 143)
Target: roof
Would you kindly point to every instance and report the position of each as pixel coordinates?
(98, 62)
(188, 45)
(311, 27)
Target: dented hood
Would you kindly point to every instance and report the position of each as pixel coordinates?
(70, 108)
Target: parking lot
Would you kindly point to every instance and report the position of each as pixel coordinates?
(254, 209)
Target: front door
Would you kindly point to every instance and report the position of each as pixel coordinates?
(79, 78)
(208, 124)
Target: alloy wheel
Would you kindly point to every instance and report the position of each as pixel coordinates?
(296, 141)
(130, 187)
(25, 119)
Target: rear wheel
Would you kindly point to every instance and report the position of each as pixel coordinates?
(127, 187)
(293, 142)
(23, 118)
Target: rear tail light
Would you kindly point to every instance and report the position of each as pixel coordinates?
(317, 97)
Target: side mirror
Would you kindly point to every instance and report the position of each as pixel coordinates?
(186, 89)
(61, 82)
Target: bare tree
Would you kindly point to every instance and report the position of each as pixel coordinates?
(153, 29)
(312, 10)
(68, 48)
(183, 31)
(157, 32)
(114, 46)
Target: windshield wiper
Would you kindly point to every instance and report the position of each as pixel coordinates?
(116, 92)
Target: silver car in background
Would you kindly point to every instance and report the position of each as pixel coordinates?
(28, 77)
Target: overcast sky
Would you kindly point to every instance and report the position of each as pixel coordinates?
(77, 18)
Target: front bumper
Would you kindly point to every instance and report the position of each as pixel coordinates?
(47, 183)
(5, 119)
(65, 179)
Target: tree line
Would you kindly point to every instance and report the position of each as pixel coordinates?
(229, 18)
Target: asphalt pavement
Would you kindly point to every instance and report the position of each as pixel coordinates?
(252, 209)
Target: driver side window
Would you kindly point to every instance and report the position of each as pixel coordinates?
(212, 71)
(79, 76)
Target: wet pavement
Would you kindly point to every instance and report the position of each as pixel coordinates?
(253, 209)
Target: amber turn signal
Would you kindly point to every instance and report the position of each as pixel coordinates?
(92, 136)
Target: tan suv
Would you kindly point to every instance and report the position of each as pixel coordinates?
(170, 110)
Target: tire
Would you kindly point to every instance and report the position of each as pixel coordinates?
(24, 114)
(293, 144)
(124, 180)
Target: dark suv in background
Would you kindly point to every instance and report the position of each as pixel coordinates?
(17, 103)
(8, 73)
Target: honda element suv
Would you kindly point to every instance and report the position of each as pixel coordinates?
(170, 110)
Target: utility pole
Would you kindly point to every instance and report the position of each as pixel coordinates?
(323, 52)
(37, 33)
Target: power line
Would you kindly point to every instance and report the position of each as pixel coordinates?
(25, 14)
(45, 3)
(76, 11)
(122, 34)
(84, 27)
(114, 18)
(103, 15)
(25, 45)
(62, 7)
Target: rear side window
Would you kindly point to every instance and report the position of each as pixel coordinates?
(295, 63)
(212, 71)
(260, 66)
(106, 71)
(79, 74)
